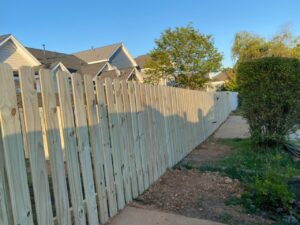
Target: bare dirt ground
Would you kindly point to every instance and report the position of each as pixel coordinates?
(199, 194)
(208, 152)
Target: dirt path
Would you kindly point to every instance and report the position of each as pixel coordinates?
(208, 152)
(199, 194)
(234, 127)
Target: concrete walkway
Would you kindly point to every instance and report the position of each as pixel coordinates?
(234, 127)
(137, 216)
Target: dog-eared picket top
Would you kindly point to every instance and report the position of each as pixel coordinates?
(79, 154)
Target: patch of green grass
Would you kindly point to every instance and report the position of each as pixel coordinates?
(233, 200)
(255, 162)
(225, 217)
(264, 172)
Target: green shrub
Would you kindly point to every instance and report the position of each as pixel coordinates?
(269, 89)
(271, 192)
(264, 174)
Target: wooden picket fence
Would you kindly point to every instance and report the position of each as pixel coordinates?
(82, 155)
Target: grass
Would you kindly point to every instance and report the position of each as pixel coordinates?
(225, 217)
(255, 161)
(264, 174)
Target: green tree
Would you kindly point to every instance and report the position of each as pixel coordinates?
(184, 55)
(231, 83)
(249, 46)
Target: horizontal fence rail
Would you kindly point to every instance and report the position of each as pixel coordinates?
(76, 151)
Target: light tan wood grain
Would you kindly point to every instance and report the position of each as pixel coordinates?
(149, 133)
(34, 136)
(121, 116)
(63, 215)
(155, 144)
(109, 172)
(130, 140)
(5, 207)
(13, 149)
(96, 140)
(70, 147)
(146, 135)
(114, 130)
(141, 134)
(84, 148)
(136, 138)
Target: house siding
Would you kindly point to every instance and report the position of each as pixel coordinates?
(10, 54)
(120, 60)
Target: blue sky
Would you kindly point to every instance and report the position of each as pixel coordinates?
(70, 26)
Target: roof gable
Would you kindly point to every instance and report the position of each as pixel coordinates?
(56, 66)
(23, 51)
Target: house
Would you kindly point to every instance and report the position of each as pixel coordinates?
(216, 80)
(142, 61)
(112, 61)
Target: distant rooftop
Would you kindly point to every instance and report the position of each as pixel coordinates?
(49, 58)
(3, 37)
(98, 54)
(142, 60)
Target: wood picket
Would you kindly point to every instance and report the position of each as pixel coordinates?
(106, 145)
(34, 136)
(50, 113)
(13, 149)
(136, 144)
(130, 140)
(84, 148)
(98, 154)
(114, 129)
(70, 147)
(121, 116)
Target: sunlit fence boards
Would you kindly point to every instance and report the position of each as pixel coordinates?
(78, 155)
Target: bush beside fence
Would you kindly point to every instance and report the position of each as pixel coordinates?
(81, 159)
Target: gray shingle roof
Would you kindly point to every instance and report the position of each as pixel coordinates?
(126, 72)
(113, 74)
(142, 60)
(222, 76)
(48, 58)
(92, 69)
(121, 74)
(97, 54)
